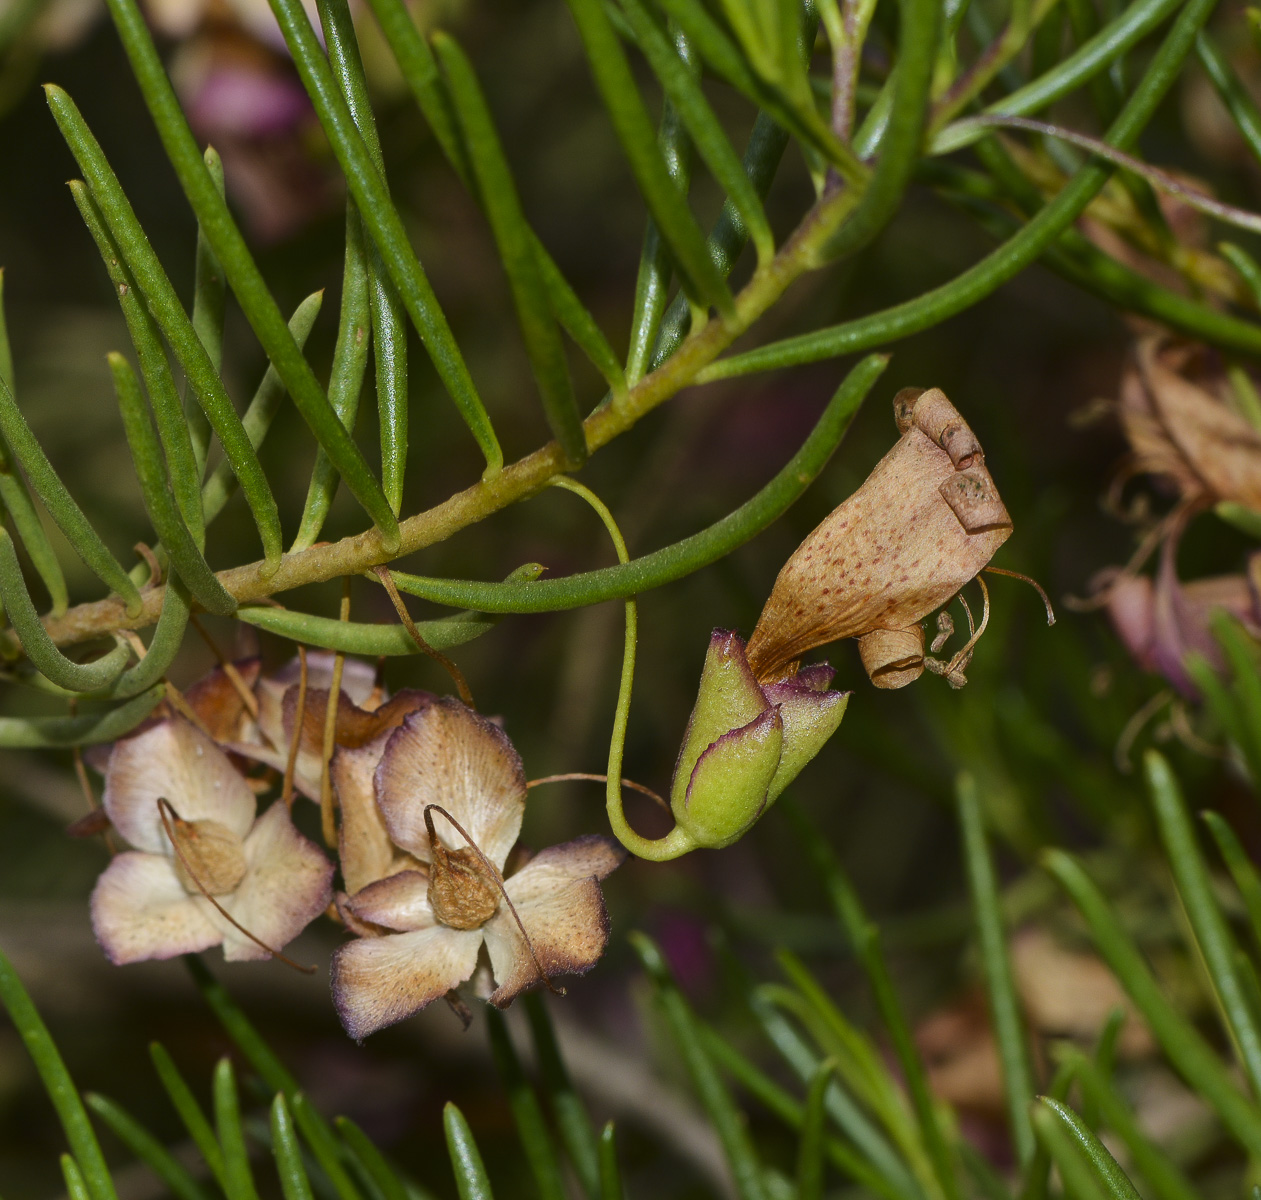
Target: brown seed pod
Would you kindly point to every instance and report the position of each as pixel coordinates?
(924, 523)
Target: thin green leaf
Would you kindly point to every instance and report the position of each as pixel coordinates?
(1080, 1182)
(371, 641)
(634, 130)
(1163, 1175)
(76, 1187)
(1037, 1176)
(372, 198)
(222, 484)
(164, 306)
(471, 1181)
(57, 1083)
(40, 648)
(173, 430)
(165, 644)
(61, 505)
(610, 1175)
(516, 251)
(810, 1147)
(345, 384)
(146, 1148)
(683, 557)
(190, 1113)
(1245, 664)
(146, 453)
(526, 1111)
(294, 1183)
(210, 295)
(238, 1180)
(86, 729)
(242, 272)
(1220, 701)
(372, 1160)
(1212, 934)
(17, 500)
(1243, 262)
(1241, 867)
(1106, 1168)
(1234, 95)
(1009, 1031)
(1186, 1049)
(726, 1119)
(324, 1146)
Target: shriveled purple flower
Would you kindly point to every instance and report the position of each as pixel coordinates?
(148, 903)
(447, 766)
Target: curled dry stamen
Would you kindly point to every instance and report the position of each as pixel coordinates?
(167, 813)
(1134, 726)
(155, 567)
(499, 884)
(461, 684)
(643, 789)
(299, 719)
(1033, 583)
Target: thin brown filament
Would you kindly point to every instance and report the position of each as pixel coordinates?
(177, 701)
(964, 654)
(299, 719)
(133, 640)
(165, 813)
(1033, 583)
(1134, 726)
(1180, 723)
(643, 789)
(151, 560)
(461, 684)
(499, 883)
(328, 824)
(239, 685)
(971, 623)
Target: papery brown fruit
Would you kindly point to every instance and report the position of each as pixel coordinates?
(925, 522)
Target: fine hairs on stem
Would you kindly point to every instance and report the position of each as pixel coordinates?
(167, 814)
(493, 871)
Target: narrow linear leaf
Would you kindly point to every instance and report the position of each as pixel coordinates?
(471, 1181)
(210, 295)
(345, 384)
(222, 484)
(570, 1113)
(683, 557)
(294, 1183)
(1186, 1049)
(242, 272)
(526, 1111)
(165, 307)
(146, 1148)
(810, 1147)
(372, 1160)
(57, 1083)
(167, 409)
(726, 1119)
(1080, 1182)
(1241, 867)
(168, 636)
(1009, 1030)
(86, 729)
(1234, 95)
(610, 1175)
(238, 1179)
(1105, 1167)
(17, 499)
(353, 637)
(1245, 664)
(1243, 262)
(146, 454)
(190, 1113)
(634, 130)
(39, 647)
(383, 221)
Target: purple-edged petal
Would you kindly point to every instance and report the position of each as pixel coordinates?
(174, 760)
(365, 848)
(810, 717)
(380, 981)
(140, 910)
(591, 856)
(1131, 607)
(450, 756)
(288, 883)
(568, 928)
(400, 902)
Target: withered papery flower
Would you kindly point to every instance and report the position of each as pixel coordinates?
(446, 770)
(261, 870)
(924, 523)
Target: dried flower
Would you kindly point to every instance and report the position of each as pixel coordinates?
(926, 522)
(451, 790)
(149, 903)
(746, 742)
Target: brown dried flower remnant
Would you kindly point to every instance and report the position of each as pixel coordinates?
(925, 522)
(451, 790)
(176, 797)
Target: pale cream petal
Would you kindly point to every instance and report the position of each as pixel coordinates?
(448, 755)
(365, 848)
(592, 856)
(288, 883)
(380, 981)
(568, 928)
(140, 910)
(400, 902)
(175, 760)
